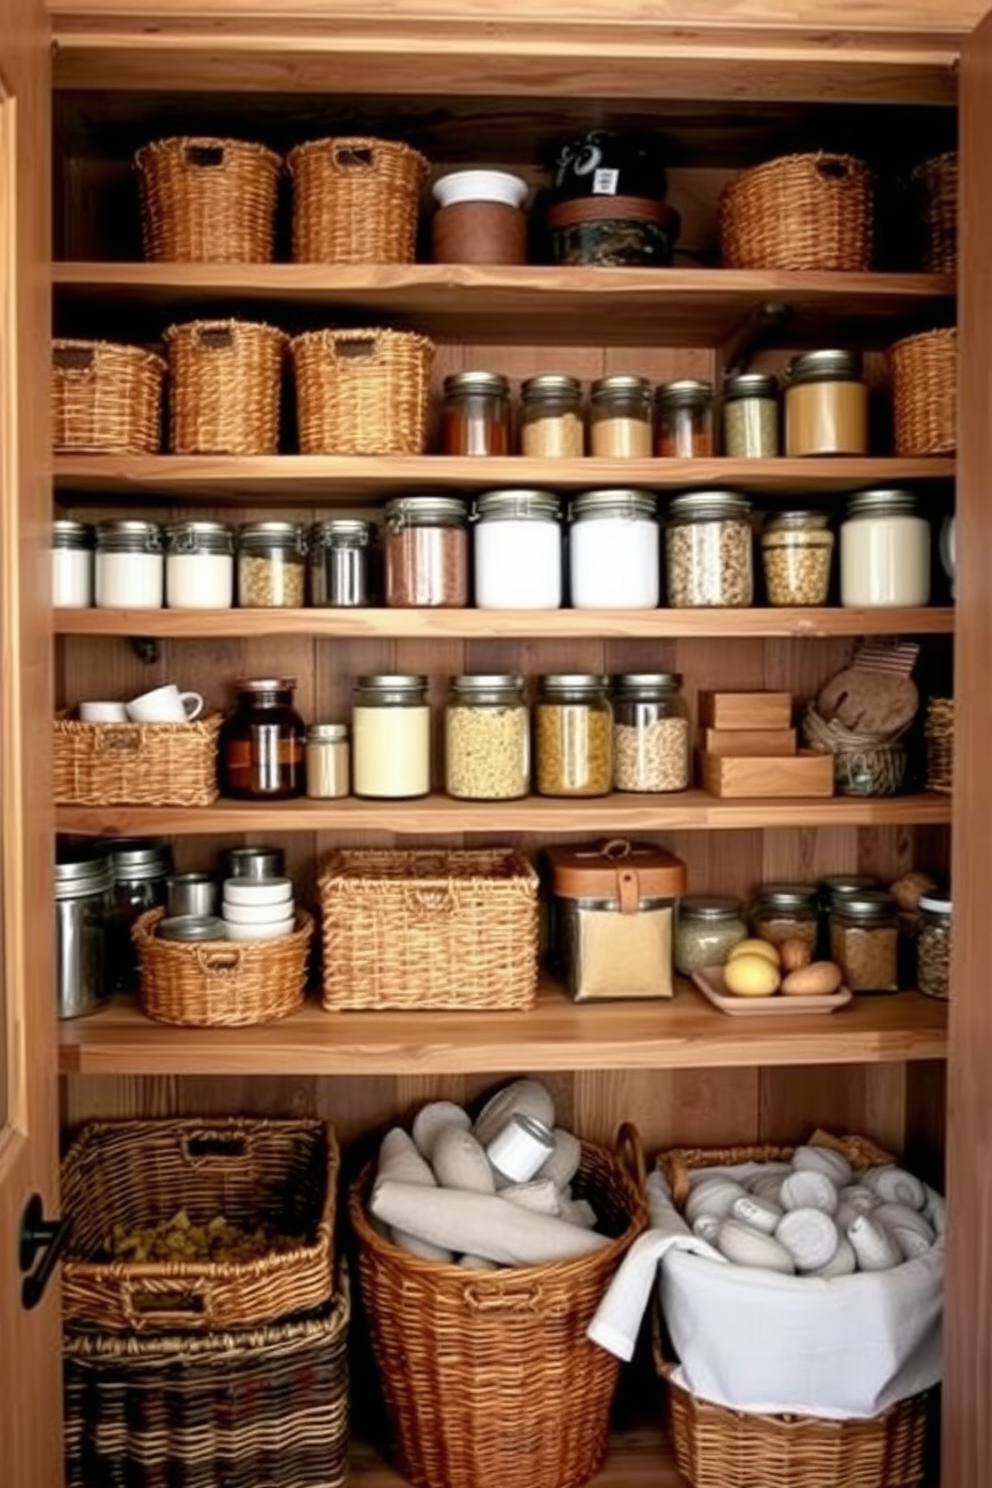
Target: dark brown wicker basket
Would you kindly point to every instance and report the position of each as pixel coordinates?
(799, 212)
(924, 374)
(936, 182)
(206, 200)
(106, 398)
(224, 387)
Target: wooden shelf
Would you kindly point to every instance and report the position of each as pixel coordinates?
(626, 307)
(557, 1034)
(383, 624)
(350, 481)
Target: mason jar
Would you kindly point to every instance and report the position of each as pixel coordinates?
(261, 746)
(518, 551)
(620, 418)
(837, 886)
(708, 551)
(750, 416)
(272, 566)
(864, 939)
(340, 555)
(933, 947)
(199, 566)
(130, 568)
(651, 746)
(141, 869)
(72, 564)
(551, 422)
(475, 414)
(786, 912)
(796, 553)
(615, 551)
(328, 761)
(425, 553)
(573, 729)
(684, 422)
(708, 928)
(884, 552)
(391, 737)
(487, 739)
(826, 405)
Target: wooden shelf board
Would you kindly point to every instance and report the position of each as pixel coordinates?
(557, 1034)
(350, 481)
(678, 306)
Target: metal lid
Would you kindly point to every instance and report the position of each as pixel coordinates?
(686, 392)
(255, 862)
(482, 683)
(128, 535)
(805, 520)
(139, 857)
(618, 499)
(69, 534)
(327, 733)
(91, 872)
(636, 682)
(700, 505)
(425, 511)
(535, 505)
(934, 904)
(492, 383)
(265, 684)
(869, 905)
(881, 502)
(788, 896)
(344, 531)
(825, 366)
(845, 883)
(625, 873)
(551, 385)
(192, 928)
(392, 682)
(709, 907)
(749, 385)
(206, 537)
(620, 385)
(273, 535)
(591, 682)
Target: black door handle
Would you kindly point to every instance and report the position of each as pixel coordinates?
(39, 1236)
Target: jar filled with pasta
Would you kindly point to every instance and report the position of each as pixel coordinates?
(573, 729)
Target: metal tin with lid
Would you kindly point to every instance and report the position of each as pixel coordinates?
(192, 929)
(341, 563)
(83, 887)
(256, 862)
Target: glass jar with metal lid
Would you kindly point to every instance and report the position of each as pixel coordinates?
(615, 551)
(864, 940)
(574, 736)
(651, 746)
(391, 737)
(425, 553)
(933, 947)
(709, 926)
(261, 745)
(750, 416)
(129, 568)
(620, 418)
(708, 551)
(786, 912)
(884, 551)
(518, 551)
(551, 423)
(475, 414)
(826, 404)
(837, 886)
(72, 564)
(684, 420)
(797, 552)
(199, 566)
(83, 886)
(141, 867)
(328, 761)
(487, 739)
(340, 555)
(272, 565)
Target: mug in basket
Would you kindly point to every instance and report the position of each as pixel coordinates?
(165, 705)
(102, 712)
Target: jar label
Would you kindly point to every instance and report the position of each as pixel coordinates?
(604, 182)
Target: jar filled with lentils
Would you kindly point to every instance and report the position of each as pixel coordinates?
(786, 912)
(797, 552)
(551, 422)
(708, 556)
(620, 418)
(272, 570)
(651, 746)
(708, 928)
(425, 553)
(933, 947)
(684, 420)
(864, 938)
(487, 739)
(573, 728)
(750, 416)
(475, 414)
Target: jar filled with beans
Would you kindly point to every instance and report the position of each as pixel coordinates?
(685, 420)
(864, 940)
(933, 947)
(272, 571)
(651, 747)
(708, 928)
(786, 912)
(487, 739)
(425, 553)
(796, 551)
(750, 416)
(573, 728)
(708, 555)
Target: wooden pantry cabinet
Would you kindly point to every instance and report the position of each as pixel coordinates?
(465, 92)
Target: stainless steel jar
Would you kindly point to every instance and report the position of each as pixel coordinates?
(341, 563)
(256, 862)
(83, 890)
(141, 868)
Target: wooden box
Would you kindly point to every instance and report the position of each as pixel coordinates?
(745, 710)
(802, 774)
(773, 743)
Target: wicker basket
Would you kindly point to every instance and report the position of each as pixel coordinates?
(135, 764)
(489, 1378)
(106, 398)
(208, 200)
(355, 201)
(265, 1406)
(936, 182)
(799, 212)
(140, 1173)
(864, 764)
(939, 733)
(220, 983)
(416, 929)
(224, 388)
(924, 374)
(362, 392)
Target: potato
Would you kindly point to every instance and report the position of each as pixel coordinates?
(751, 976)
(819, 979)
(794, 954)
(755, 948)
(911, 888)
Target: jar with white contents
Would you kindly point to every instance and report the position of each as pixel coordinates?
(884, 552)
(518, 559)
(615, 551)
(72, 564)
(130, 568)
(391, 737)
(199, 566)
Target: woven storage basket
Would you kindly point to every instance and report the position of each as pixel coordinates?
(141, 1173)
(799, 212)
(267, 1405)
(224, 387)
(362, 392)
(936, 182)
(924, 374)
(106, 397)
(939, 733)
(489, 1378)
(135, 764)
(864, 764)
(355, 201)
(206, 200)
(415, 929)
(220, 983)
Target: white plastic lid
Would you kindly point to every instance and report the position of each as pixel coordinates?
(480, 185)
(936, 905)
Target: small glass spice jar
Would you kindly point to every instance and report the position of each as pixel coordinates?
(487, 739)
(864, 938)
(129, 567)
(551, 422)
(786, 912)
(933, 948)
(518, 551)
(708, 551)
(884, 552)
(620, 418)
(684, 420)
(837, 886)
(475, 414)
(573, 729)
(796, 553)
(341, 563)
(391, 737)
(328, 761)
(750, 416)
(72, 564)
(615, 551)
(272, 566)
(826, 405)
(262, 744)
(651, 746)
(425, 553)
(708, 928)
(199, 566)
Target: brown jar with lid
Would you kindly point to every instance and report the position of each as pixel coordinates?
(263, 744)
(826, 405)
(475, 414)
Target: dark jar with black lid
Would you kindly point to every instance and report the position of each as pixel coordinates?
(263, 743)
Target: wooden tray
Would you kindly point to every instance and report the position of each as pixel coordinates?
(804, 774)
(710, 982)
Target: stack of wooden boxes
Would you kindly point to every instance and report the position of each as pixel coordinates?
(747, 747)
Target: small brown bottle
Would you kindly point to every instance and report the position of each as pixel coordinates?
(262, 744)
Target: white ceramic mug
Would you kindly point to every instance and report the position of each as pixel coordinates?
(102, 712)
(165, 705)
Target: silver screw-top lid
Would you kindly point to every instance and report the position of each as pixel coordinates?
(788, 897)
(491, 383)
(869, 906)
(620, 500)
(686, 392)
(550, 385)
(69, 534)
(470, 686)
(327, 733)
(635, 683)
(825, 366)
(139, 857)
(709, 907)
(701, 506)
(88, 872)
(882, 503)
(750, 385)
(258, 537)
(587, 683)
(128, 535)
(620, 385)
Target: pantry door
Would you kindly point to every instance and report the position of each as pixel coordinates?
(30, 1392)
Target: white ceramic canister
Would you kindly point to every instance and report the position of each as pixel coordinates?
(199, 566)
(391, 737)
(884, 551)
(518, 551)
(615, 551)
(130, 567)
(72, 564)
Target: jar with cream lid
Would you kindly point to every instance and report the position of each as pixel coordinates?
(884, 552)
(518, 551)
(199, 566)
(826, 405)
(615, 551)
(620, 418)
(130, 567)
(551, 423)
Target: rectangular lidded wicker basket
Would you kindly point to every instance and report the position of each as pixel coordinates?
(135, 764)
(415, 929)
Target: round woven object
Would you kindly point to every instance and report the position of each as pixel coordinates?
(355, 200)
(224, 389)
(924, 374)
(939, 733)
(206, 200)
(362, 392)
(864, 764)
(106, 398)
(799, 212)
(936, 182)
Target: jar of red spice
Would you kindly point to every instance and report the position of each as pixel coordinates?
(684, 426)
(475, 414)
(425, 552)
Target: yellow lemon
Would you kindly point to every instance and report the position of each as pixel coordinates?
(756, 948)
(751, 976)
